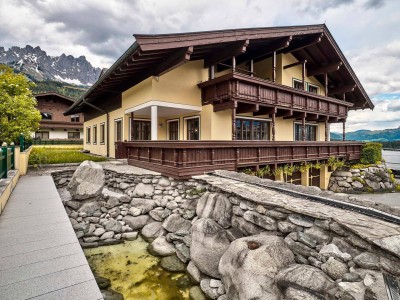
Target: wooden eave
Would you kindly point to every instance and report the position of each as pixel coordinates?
(152, 55)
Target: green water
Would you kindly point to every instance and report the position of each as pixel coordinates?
(137, 274)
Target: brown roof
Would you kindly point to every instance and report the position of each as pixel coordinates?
(54, 94)
(152, 55)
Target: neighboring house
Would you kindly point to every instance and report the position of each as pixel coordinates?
(54, 124)
(188, 103)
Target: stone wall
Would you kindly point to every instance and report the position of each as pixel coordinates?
(372, 179)
(233, 240)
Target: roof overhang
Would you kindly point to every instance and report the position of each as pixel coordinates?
(164, 109)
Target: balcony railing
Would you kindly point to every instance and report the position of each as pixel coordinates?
(187, 158)
(243, 88)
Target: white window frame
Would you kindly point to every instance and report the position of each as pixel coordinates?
(179, 128)
(88, 141)
(185, 127)
(115, 129)
(307, 123)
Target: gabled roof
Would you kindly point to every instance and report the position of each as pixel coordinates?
(152, 55)
(54, 94)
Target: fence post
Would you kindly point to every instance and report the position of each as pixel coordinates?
(21, 143)
(4, 161)
(12, 156)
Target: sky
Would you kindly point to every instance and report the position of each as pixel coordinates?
(367, 31)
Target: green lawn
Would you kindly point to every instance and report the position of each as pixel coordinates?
(40, 156)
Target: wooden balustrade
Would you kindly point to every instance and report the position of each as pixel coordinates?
(184, 159)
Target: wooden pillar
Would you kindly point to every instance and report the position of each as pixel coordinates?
(303, 74)
(344, 129)
(251, 67)
(303, 128)
(326, 130)
(305, 177)
(274, 67)
(233, 124)
(211, 72)
(324, 176)
(233, 64)
(344, 96)
(273, 126)
(131, 137)
(326, 84)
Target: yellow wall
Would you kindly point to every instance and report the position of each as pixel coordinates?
(97, 148)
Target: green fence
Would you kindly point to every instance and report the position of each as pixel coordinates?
(7, 158)
(57, 142)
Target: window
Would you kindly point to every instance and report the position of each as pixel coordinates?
(102, 133)
(311, 132)
(74, 135)
(247, 129)
(75, 118)
(313, 88)
(193, 129)
(173, 130)
(88, 135)
(46, 116)
(140, 130)
(42, 135)
(118, 130)
(298, 84)
(94, 134)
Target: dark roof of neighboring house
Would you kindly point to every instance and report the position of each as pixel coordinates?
(154, 54)
(54, 94)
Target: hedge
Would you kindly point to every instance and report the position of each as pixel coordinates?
(371, 153)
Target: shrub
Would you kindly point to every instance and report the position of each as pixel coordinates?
(371, 153)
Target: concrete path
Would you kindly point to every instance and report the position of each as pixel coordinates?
(40, 256)
(392, 199)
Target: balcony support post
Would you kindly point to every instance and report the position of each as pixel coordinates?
(131, 126)
(326, 84)
(211, 72)
(326, 130)
(251, 67)
(274, 67)
(154, 125)
(303, 74)
(273, 126)
(233, 63)
(234, 122)
(344, 129)
(303, 128)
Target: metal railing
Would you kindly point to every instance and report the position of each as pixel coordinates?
(57, 142)
(7, 159)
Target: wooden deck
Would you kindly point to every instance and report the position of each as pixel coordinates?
(40, 256)
(183, 159)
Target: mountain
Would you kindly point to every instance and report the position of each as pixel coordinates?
(38, 66)
(369, 135)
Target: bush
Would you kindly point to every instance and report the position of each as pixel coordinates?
(371, 153)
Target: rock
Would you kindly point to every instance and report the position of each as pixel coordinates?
(107, 235)
(299, 294)
(207, 289)
(351, 290)
(318, 234)
(152, 231)
(334, 268)
(195, 293)
(102, 282)
(87, 181)
(89, 208)
(183, 252)
(114, 225)
(130, 236)
(99, 231)
(145, 205)
(160, 247)
(306, 278)
(111, 295)
(245, 227)
(143, 190)
(243, 266)
(367, 260)
(194, 272)
(90, 239)
(73, 204)
(331, 250)
(173, 264)
(357, 184)
(373, 184)
(79, 234)
(123, 185)
(300, 248)
(299, 220)
(134, 211)
(390, 266)
(136, 222)
(234, 234)
(351, 277)
(345, 247)
(260, 220)
(175, 222)
(276, 214)
(215, 206)
(287, 227)
(209, 242)
(306, 239)
(158, 214)
(164, 182)
(113, 198)
(314, 262)
(342, 174)
(336, 227)
(376, 288)
(343, 183)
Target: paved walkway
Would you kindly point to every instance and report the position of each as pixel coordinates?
(392, 199)
(40, 256)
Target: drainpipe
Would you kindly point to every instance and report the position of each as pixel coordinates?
(108, 122)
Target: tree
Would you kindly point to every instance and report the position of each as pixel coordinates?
(18, 113)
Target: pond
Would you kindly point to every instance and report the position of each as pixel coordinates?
(135, 273)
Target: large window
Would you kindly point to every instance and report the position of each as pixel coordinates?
(74, 135)
(140, 130)
(42, 135)
(94, 134)
(46, 116)
(88, 135)
(74, 118)
(118, 130)
(247, 129)
(173, 130)
(311, 132)
(193, 129)
(102, 133)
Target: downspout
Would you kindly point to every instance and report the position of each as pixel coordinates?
(108, 123)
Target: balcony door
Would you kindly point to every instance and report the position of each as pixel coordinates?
(193, 129)
(173, 130)
(140, 130)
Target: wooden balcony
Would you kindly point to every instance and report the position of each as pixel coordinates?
(234, 87)
(184, 159)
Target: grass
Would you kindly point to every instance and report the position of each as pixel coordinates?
(40, 156)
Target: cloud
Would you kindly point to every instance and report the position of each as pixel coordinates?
(375, 3)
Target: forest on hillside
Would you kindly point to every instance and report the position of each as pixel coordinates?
(68, 90)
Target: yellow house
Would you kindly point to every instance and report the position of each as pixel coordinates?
(188, 103)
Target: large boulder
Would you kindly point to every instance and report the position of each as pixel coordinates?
(145, 205)
(160, 247)
(113, 198)
(176, 223)
(152, 231)
(87, 181)
(249, 266)
(215, 206)
(209, 242)
(136, 222)
(305, 278)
